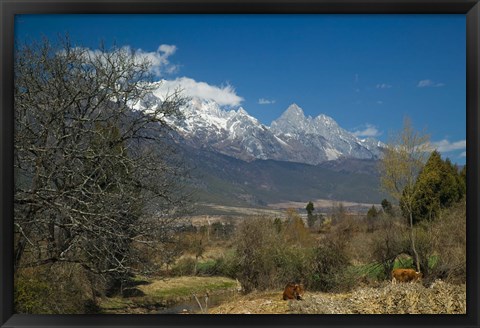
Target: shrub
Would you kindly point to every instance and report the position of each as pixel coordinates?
(211, 267)
(228, 265)
(329, 271)
(222, 230)
(54, 289)
(184, 267)
(389, 241)
(426, 240)
(269, 257)
(30, 293)
(450, 229)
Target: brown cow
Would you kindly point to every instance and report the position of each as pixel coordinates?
(293, 291)
(405, 275)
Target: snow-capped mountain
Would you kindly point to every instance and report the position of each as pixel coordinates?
(292, 137)
(321, 134)
(373, 145)
(235, 133)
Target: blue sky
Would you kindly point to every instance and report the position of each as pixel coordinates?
(365, 71)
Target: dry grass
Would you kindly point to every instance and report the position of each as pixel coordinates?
(439, 298)
(254, 303)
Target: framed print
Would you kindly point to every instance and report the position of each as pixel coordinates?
(188, 163)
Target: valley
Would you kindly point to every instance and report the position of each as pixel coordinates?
(224, 180)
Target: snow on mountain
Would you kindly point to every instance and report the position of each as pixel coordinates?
(321, 133)
(292, 137)
(230, 132)
(373, 145)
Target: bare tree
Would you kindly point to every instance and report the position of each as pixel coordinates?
(405, 156)
(94, 178)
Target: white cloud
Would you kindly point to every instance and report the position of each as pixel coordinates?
(445, 146)
(379, 102)
(223, 95)
(167, 49)
(158, 59)
(463, 154)
(369, 131)
(383, 86)
(263, 101)
(429, 84)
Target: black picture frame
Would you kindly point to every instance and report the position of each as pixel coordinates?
(470, 8)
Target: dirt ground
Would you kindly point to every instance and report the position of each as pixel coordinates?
(438, 298)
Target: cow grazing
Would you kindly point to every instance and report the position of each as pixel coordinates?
(293, 291)
(405, 275)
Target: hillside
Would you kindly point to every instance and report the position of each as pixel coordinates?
(221, 179)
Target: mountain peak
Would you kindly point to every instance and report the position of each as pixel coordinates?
(294, 109)
(292, 120)
(242, 111)
(326, 120)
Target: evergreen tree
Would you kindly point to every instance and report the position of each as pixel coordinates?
(372, 212)
(455, 191)
(310, 208)
(439, 185)
(387, 207)
(311, 218)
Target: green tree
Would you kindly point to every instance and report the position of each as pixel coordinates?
(454, 188)
(387, 207)
(311, 218)
(439, 185)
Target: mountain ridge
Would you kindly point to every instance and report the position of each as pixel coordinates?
(292, 137)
